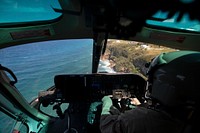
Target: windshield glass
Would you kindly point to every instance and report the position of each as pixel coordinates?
(37, 10)
(129, 56)
(29, 11)
(160, 19)
(36, 64)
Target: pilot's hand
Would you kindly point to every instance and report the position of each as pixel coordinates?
(128, 103)
(135, 101)
(107, 103)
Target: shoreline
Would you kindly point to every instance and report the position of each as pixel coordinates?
(105, 65)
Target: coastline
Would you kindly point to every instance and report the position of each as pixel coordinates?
(106, 66)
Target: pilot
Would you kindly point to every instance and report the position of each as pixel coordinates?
(172, 98)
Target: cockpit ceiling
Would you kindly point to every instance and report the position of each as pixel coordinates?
(115, 19)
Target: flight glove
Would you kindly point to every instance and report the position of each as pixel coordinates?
(106, 105)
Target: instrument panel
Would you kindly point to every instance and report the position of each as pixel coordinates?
(92, 87)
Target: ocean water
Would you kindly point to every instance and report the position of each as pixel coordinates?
(36, 65)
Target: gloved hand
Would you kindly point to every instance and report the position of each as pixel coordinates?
(135, 101)
(107, 103)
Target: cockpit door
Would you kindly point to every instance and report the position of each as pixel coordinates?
(26, 118)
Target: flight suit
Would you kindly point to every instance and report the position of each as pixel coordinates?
(137, 120)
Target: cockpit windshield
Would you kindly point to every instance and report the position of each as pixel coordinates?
(41, 11)
(36, 64)
(185, 23)
(30, 11)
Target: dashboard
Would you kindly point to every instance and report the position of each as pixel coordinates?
(92, 87)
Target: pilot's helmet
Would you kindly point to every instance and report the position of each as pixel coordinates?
(174, 78)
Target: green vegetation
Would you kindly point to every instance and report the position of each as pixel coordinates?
(131, 57)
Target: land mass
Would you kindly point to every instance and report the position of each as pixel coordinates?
(131, 56)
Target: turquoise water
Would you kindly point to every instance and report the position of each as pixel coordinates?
(36, 65)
